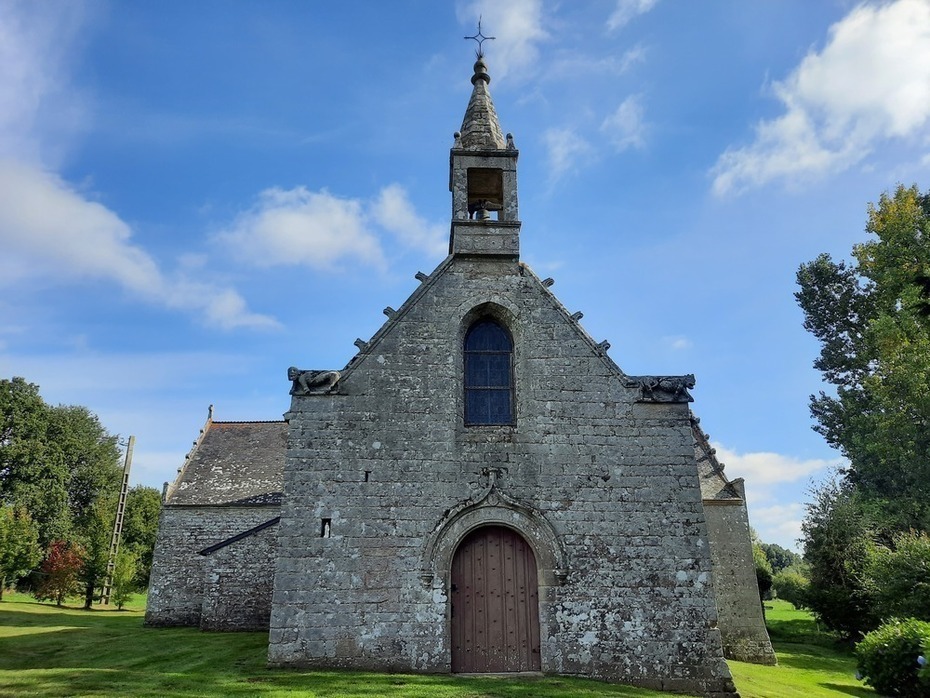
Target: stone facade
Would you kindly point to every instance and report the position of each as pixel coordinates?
(583, 487)
(741, 619)
(602, 486)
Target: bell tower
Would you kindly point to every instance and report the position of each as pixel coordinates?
(483, 179)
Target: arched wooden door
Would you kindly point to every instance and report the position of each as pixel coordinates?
(495, 603)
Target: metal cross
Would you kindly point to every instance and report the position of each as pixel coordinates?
(479, 38)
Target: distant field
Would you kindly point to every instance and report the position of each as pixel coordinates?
(50, 651)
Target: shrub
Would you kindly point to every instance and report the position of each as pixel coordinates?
(888, 658)
(792, 585)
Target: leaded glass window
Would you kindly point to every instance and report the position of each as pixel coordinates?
(488, 374)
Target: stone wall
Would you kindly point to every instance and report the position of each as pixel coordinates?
(384, 466)
(176, 587)
(238, 580)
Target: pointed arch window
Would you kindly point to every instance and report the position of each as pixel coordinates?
(488, 374)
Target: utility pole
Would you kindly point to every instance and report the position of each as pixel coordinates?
(118, 524)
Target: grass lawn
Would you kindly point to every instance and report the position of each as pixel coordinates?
(810, 663)
(51, 651)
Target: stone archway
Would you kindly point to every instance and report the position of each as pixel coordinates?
(495, 510)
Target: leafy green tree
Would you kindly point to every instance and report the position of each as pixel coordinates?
(872, 319)
(140, 526)
(899, 577)
(90, 455)
(55, 462)
(19, 545)
(837, 538)
(96, 535)
(32, 475)
(792, 585)
(60, 572)
(779, 558)
(125, 572)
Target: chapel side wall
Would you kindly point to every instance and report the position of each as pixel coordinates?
(614, 479)
(175, 595)
(742, 621)
(238, 581)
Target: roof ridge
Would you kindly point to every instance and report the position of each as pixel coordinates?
(251, 421)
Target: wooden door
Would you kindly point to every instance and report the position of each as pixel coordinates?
(495, 603)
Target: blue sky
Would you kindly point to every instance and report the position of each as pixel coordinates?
(195, 196)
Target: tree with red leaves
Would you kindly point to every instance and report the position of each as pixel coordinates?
(60, 573)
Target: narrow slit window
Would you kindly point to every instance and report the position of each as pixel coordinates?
(488, 374)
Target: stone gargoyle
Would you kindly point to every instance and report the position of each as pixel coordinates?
(311, 382)
(664, 388)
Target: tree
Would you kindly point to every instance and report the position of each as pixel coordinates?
(90, 455)
(125, 572)
(873, 323)
(872, 318)
(31, 475)
(763, 570)
(899, 577)
(60, 572)
(837, 537)
(792, 585)
(19, 545)
(55, 462)
(96, 535)
(140, 526)
(779, 558)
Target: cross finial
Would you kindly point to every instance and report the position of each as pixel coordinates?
(479, 39)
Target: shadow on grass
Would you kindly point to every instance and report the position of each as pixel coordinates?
(850, 691)
(53, 615)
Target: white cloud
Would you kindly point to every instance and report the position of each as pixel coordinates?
(566, 149)
(302, 227)
(317, 229)
(48, 230)
(46, 221)
(626, 128)
(871, 83)
(628, 10)
(678, 343)
(39, 111)
(577, 65)
(393, 211)
(517, 26)
(779, 524)
(763, 468)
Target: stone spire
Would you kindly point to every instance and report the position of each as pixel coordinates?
(480, 127)
(483, 179)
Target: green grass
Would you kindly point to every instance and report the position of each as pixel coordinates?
(51, 651)
(811, 663)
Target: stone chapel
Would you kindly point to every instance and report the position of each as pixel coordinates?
(481, 489)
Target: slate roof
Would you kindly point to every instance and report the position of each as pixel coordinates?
(714, 484)
(233, 464)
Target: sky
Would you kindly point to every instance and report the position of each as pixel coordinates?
(195, 196)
